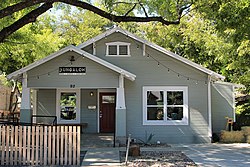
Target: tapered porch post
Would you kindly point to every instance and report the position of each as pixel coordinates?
(120, 129)
(25, 112)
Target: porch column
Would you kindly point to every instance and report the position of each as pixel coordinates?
(25, 112)
(120, 129)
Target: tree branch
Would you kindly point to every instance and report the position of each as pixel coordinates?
(115, 18)
(28, 18)
(131, 9)
(183, 8)
(145, 12)
(19, 6)
(31, 17)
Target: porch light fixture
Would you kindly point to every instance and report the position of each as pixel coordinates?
(72, 59)
(91, 93)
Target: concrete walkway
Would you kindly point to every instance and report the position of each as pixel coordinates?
(217, 155)
(102, 157)
(204, 155)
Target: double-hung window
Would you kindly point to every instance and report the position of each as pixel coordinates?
(164, 105)
(118, 49)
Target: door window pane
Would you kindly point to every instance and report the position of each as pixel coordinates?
(68, 106)
(108, 99)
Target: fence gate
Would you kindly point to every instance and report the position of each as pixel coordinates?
(39, 145)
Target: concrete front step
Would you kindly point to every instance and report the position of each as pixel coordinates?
(102, 157)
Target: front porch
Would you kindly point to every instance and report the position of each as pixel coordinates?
(99, 109)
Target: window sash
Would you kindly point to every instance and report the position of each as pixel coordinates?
(166, 120)
(119, 49)
(112, 50)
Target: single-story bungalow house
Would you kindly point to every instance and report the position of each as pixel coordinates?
(120, 83)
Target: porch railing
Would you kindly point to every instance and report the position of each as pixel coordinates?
(44, 120)
(39, 145)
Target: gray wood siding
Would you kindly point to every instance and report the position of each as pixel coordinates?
(222, 105)
(46, 104)
(89, 115)
(148, 73)
(96, 75)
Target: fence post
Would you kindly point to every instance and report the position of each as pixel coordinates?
(66, 146)
(62, 152)
(24, 145)
(20, 144)
(28, 147)
(53, 145)
(70, 145)
(7, 145)
(49, 144)
(3, 145)
(33, 145)
(74, 145)
(78, 144)
(41, 144)
(45, 144)
(16, 144)
(58, 146)
(11, 144)
(37, 145)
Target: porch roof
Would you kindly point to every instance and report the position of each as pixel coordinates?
(18, 73)
(214, 75)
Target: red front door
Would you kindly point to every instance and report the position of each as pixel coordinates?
(107, 112)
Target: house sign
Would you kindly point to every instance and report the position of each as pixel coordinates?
(72, 70)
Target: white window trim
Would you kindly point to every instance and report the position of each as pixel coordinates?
(184, 121)
(58, 110)
(118, 44)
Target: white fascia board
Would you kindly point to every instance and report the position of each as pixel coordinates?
(39, 62)
(215, 76)
(237, 86)
(117, 69)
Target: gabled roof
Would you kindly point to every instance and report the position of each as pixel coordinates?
(117, 69)
(213, 74)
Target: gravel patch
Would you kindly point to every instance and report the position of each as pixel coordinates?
(158, 159)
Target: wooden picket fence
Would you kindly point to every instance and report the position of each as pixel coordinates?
(39, 145)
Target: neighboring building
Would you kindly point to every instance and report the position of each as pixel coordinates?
(5, 92)
(118, 82)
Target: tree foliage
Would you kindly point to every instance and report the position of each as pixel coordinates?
(231, 20)
(29, 44)
(117, 11)
(80, 26)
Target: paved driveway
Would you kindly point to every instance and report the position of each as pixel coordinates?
(214, 155)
